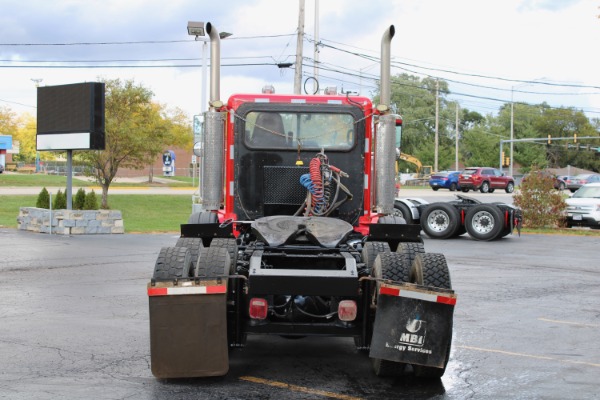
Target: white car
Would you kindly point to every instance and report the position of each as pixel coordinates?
(583, 208)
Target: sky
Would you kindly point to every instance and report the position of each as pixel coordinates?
(489, 51)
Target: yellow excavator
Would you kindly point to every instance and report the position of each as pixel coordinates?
(423, 171)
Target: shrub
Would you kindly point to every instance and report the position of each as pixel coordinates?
(43, 199)
(79, 200)
(60, 201)
(91, 202)
(542, 205)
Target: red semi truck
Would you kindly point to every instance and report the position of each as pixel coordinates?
(295, 234)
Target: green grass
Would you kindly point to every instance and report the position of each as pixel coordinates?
(141, 213)
(41, 180)
(164, 213)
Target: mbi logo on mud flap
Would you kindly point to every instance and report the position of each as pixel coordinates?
(415, 333)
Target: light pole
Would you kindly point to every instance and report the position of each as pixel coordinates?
(197, 30)
(37, 82)
(512, 121)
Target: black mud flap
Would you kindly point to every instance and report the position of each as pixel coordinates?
(188, 329)
(413, 324)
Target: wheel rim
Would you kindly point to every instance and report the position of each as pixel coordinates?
(438, 221)
(483, 222)
(399, 213)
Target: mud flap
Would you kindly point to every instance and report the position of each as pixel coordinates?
(413, 324)
(188, 328)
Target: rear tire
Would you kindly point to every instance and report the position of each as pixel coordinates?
(203, 217)
(410, 250)
(392, 220)
(510, 187)
(431, 270)
(370, 252)
(484, 222)
(173, 263)
(485, 187)
(453, 187)
(392, 266)
(440, 221)
(194, 244)
(231, 246)
(213, 262)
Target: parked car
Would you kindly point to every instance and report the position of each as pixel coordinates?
(583, 208)
(580, 180)
(445, 180)
(486, 180)
(558, 182)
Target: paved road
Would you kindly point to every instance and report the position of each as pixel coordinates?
(74, 325)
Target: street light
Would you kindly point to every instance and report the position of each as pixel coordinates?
(198, 30)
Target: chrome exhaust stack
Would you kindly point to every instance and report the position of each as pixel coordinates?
(211, 188)
(385, 148)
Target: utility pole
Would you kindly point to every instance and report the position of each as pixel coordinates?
(300, 41)
(456, 142)
(512, 132)
(316, 56)
(437, 111)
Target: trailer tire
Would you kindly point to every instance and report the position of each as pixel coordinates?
(431, 269)
(392, 266)
(440, 221)
(484, 222)
(173, 263)
(231, 246)
(194, 244)
(213, 262)
(410, 250)
(203, 217)
(402, 210)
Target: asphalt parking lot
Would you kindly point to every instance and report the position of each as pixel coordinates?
(74, 325)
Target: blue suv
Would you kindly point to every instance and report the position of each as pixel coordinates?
(445, 180)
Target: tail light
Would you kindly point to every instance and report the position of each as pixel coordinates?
(347, 310)
(258, 308)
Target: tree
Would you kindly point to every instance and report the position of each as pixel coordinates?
(134, 126)
(79, 199)
(90, 202)
(169, 127)
(60, 200)
(43, 199)
(8, 121)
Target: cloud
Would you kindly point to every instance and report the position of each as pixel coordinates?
(510, 39)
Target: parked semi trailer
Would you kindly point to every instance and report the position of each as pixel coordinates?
(296, 236)
(445, 220)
